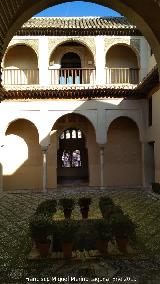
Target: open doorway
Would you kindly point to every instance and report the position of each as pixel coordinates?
(72, 157)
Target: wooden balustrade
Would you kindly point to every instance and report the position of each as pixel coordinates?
(122, 75)
(72, 76)
(20, 76)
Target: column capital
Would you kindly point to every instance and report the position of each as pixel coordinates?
(44, 148)
(101, 146)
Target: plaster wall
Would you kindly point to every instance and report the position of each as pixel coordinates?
(27, 174)
(120, 56)
(21, 57)
(152, 62)
(97, 118)
(153, 132)
(123, 164)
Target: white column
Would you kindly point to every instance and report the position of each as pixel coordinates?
(102, 166)
(44, 152)
(100, 60)
(43, 61)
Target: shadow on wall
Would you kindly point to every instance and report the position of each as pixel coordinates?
(23, 167)
(22, 158)
(123, 154)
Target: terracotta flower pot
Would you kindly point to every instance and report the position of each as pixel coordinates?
(67, 249)
(122, 244)
(84, 212)
(67, 213)
(44, 248)
(102, 246)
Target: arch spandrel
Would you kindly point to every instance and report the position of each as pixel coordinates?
(88, 42)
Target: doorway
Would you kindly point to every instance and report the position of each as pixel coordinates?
(72, 158)
(70, 72)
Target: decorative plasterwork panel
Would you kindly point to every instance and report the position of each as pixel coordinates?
(86, 41)
(134, 43)
(33, 43)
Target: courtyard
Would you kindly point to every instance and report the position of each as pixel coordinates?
(143, 266)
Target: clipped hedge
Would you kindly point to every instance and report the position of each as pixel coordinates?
(156, 187)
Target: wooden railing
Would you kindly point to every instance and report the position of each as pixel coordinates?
(20, 76)
(122, 76)
(72, 76)
(68, 76)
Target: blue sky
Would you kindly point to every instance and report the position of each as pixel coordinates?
(77, 9)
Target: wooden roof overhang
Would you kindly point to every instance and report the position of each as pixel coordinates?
(85, 92)
(77, 32)
(81, 26)
(73, 93)
(150, 82)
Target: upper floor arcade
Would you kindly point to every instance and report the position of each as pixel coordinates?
(114, 53)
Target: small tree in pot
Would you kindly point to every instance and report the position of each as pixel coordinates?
(67, 205)
(67, 230)
(85, 235)
(123, 229)
(47, 207)
(41, 228)
(106, 206)
(84, 203)
(103, 234)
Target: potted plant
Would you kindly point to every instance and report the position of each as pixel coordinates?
(41, 228)
(85, 235)
(156, 187)
(123, 229)
(103, 235)
(106, 206)
(67, 230)
(84, 203)
(47, 207)
(67, 205)
(116, 209)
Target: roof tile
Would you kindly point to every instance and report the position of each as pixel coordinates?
(76, 22)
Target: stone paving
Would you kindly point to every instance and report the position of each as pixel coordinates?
(144, 267)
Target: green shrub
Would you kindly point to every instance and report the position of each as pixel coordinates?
(106, 206)
(67, 230)
(66, 203)
(84, 202)
(122, 225)
(85, 236)
(105, 201)
(102, 229)
(47, 207)
(40, 227)
(156, 187)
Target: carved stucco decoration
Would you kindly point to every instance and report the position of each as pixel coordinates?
(134, 43)
(89, 42)
(33, 43)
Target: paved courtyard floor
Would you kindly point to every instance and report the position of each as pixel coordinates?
(15, 244)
